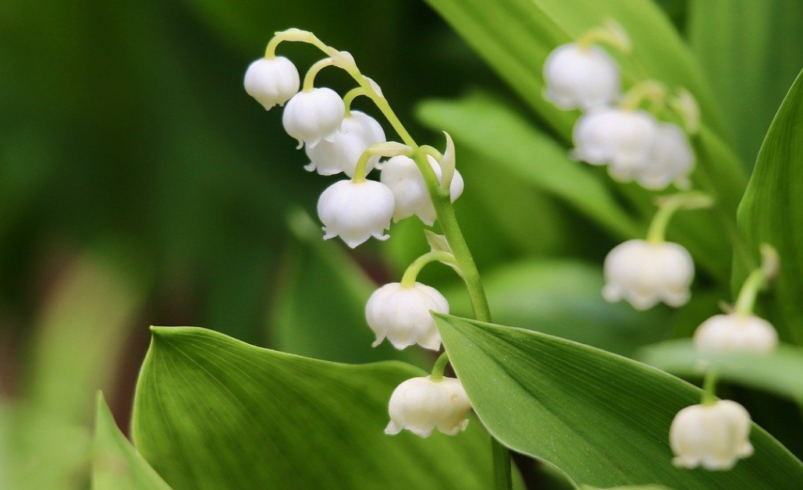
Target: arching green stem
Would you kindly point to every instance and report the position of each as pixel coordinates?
(710, 387)
(437, 369)
(309, 79)
(350, 96)
(667, 208)
(611, 33)
(645, 90)
(410, 275)
(757, 280)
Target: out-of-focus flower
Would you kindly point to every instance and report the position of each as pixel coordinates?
(713, 436)
(736, 332)
(670, 159)
(580, 77)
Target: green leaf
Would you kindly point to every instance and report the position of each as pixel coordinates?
(116, 465)
(770, 213)
(563, 297)
(633, 487)
(741, 47)
(602, 419)
(325, 322)
(215, 413)
(778, 372)
(498, 133)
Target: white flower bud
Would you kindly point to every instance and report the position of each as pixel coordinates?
(401, 174)
(402, 315)
(356, 211)
(618, 137)
(271, 81)
(421, 405)
(315, 115)
(670, 159)
(357, 132)
(581, 78)
(714, 435)
(735, 333)
(645, 273)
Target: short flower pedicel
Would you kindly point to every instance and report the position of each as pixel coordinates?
(421, 405)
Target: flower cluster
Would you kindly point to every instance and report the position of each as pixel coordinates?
(339, 140)
(613, 129)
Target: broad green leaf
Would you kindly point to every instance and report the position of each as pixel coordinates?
(532, 28)
(491, 129)
(563, 298)
(778, 372)
(770, 212)
(630, 487)
(602, 419)
(750, 52)
(215, 413)
(319, 308)
(116, 465)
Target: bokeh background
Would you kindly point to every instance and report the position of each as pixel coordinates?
(140, 185)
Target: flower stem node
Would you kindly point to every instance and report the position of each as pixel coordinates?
(272, 81)
(645, 273)
(313, 115)
(356, 211)
(713, 435)
(670, 159)
(404, 179)
(402, 315)
(357, 133)
(736, 332)
(579, 77)
(620, 138)
(421, 405)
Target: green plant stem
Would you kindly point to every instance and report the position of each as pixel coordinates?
(440, 365)
(710, 387)
(410, 275)
(309, 79)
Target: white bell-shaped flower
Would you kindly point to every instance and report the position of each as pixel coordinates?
(713, 436)
(645, 273)
(271, 81)
(736, 332)
(421, 405)
(357, 132)
(402, 176)
(356, 211)
(401, 314)
(581, 78)
(670, 159)
(617, 137)
(313, 115)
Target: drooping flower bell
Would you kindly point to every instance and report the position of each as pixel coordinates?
(314, 115)
(713, 435)
(356, 211)
(404, 179)
(401, 314)
(669, 160)
(272, 81)
(580, 77)
(736, 332)
(620, 138)
(644, 274)
(357, 133)
(421, 405)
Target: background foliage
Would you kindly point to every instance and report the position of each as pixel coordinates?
(140, 185)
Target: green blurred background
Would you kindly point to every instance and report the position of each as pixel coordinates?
(140, 185)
